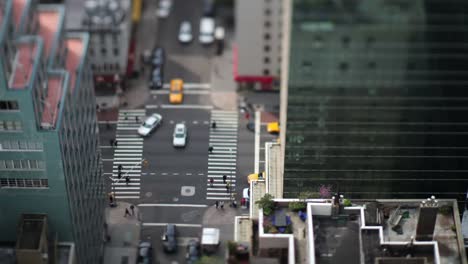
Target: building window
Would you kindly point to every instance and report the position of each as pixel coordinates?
(23, 183)
(9, 105)
(344, 66)
(371, 65)
(346, 40)
(266, 36)
(91, 52)
(267, 12)
(370, 41)
(267, 24)
(266, 48)
(10, 165)
(266, 60)
(103, 51)
(266, 72)
(116, 52)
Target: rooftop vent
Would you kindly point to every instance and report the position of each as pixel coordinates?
(428, 210)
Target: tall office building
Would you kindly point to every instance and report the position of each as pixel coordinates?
(375, 101)
(49, 150)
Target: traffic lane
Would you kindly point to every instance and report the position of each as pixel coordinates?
(245, 155)
(189, 67)
(170, 188)
(153, 235)
(186, 216)
(164, 157)
(198, 99)
(179, 115)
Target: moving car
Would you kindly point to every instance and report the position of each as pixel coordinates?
(209, 8)
(180, 135)
(145, 253)
(156, 79)
(185, 32)
(193, 251)
(176, 92)
(256, 177)
(169, 239)
(164, 8)
(150, 124)
(158, 58)
(207, 28)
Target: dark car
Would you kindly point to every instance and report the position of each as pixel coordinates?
(156, 79)
(169, 239)
(145, 253)
(193, 251)
(209, 8)
(158, 58)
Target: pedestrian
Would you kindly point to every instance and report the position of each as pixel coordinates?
(125, 116)
(111, 142)
(133, 209)
(227, 187)
(119, 174)
(126, 212)
(127, 179)
(221, 204)
(211, 182)
(247, 115)
(111, 199)
(137, 120)
(210, 149)
(213, 125)
(234, 204)
(120, 167)
(216, 204)
(115, 143)
(224, 178)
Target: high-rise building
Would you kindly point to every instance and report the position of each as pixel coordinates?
(257, 49)
(49, 149)
(374, 98)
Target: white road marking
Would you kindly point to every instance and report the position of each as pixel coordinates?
(151, 106)
(182, 106)
(257, 141)
(126, 197)
(126, 188)
(218, 198)
(173, 205)
(178, 225)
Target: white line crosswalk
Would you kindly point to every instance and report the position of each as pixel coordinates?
(128, 153)
(222, 160)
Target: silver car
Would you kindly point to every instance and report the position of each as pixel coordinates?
(185, 32)
(164, 8)
(150, 124)
(180, 135)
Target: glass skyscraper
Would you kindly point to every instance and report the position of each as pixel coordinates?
(377, 98)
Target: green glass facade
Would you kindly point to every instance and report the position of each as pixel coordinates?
(377, 98)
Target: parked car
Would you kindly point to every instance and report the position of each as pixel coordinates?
(176, 91)
(193, 251)
(145, 253)
(207, 28)
(185, 32)
(158, 58)
(180, 135)
(246, 194)
(156, 79)
(150, 124)
(164, 8)
(169, 239)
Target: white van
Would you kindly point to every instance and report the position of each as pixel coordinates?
(207, 28)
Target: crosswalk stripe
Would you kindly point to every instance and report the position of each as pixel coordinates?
(218, 198)
(126, 197)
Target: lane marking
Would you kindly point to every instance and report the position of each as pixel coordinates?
(178, 225)
(173, 205)
(166, 106)
(257, 141)
(151, 106)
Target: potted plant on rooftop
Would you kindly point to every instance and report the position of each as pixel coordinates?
(267, 204)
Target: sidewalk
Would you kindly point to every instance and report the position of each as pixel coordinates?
(124, 234)
(224, 88)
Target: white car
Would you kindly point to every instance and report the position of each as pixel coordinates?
(150, 124)
(185, 32)
(207, 28)
(180, 135)
(164, 8)
(246, 194)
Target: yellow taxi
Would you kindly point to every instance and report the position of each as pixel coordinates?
(273, 127)
(176, 92)
(256, 177)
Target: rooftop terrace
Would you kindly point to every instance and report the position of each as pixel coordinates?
(75, 48)
(26, 55)
(49, 23)
(18, 8)
(56, 85)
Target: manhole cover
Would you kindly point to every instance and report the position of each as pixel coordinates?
(148, 194)
(187, 191)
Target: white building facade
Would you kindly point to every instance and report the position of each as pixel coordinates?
(257, 53)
